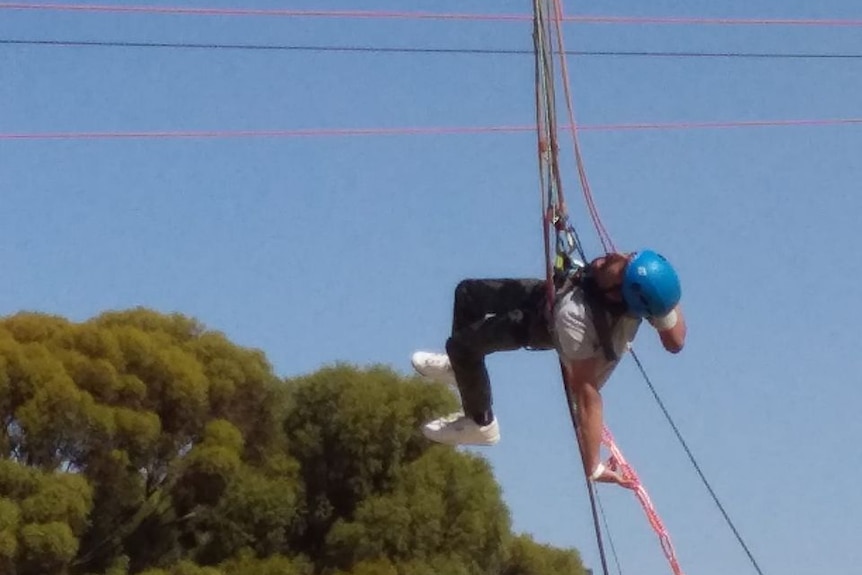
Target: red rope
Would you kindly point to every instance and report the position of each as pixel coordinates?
(604, 237)
(409, 131)
(407, 15)
(618, 463)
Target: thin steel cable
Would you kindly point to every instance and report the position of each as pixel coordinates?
(695, 464)
(610, 537)
(328, 48)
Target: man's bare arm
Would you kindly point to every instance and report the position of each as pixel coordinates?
(580, 377)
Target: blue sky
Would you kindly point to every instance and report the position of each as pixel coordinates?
(329, 249)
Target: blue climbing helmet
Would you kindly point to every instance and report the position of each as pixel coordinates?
(650, 285)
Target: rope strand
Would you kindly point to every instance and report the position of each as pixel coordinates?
(695, 464)
(555, 208)
(442, 16)
(610, 539)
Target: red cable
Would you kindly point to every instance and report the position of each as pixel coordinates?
(406, 15)
(299, 133)
(408, 131)
(604, 237)
(277, 12)
(697, 20)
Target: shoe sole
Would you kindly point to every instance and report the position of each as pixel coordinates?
(488, 443)
(449, 380)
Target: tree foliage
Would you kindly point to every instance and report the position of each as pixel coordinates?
(143, 443)
(527, 557)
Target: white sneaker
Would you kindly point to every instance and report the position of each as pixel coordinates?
(458, 429)
(434, 366)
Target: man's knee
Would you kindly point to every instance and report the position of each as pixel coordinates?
(464, 289)
(505, 332)
(462, 350)
(468, 349)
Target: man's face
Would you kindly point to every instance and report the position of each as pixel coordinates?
(608, 271)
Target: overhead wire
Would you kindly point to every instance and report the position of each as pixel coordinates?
(324, 48)
(423, 15)
(411, 131)
(604, 237)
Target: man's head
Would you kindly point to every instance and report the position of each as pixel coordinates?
(645, 281)
(608, 272)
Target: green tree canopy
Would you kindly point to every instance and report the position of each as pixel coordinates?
(527, 557)
(139, 442)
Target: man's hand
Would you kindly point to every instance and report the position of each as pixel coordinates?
(614, 477)
(611, 474)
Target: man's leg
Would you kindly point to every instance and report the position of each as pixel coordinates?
(477, 298)
(489, 316)
(492, 315)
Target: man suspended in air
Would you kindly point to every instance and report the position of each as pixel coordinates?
(596, 313)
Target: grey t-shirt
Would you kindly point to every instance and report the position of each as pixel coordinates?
(575, 334)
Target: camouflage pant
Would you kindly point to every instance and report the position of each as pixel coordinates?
(493, 315)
